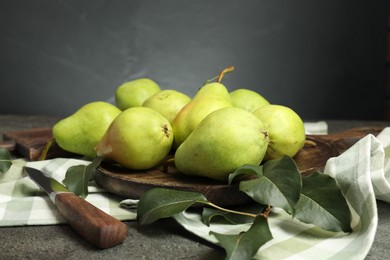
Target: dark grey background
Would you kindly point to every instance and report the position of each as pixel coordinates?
(324, 59)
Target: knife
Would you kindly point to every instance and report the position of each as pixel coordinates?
(96, 226)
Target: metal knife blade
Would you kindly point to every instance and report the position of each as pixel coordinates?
(48, 184)
(96, 226)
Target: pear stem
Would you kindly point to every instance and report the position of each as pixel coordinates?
(221, 75)
(223, 72)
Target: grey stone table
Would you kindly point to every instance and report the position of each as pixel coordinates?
(162, 240)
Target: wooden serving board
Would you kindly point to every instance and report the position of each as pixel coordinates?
(132, 184)
(30, 144)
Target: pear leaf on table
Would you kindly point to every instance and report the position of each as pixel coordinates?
(77, 177)
(213, 215)
(5, 160)
(322, 204)
(160, 203)
(246, 244)
(279, 186)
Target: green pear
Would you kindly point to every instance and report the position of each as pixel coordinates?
(247, 99)
(82, 131)
(134, 93)
(226, 139)
(167, 102)
(209, 98)
(138, 139)
(285, 129)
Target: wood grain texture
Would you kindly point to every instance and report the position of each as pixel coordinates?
(96, 226)
(31, 142)
(132, 184)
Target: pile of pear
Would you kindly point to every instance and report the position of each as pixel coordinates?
(209, 135)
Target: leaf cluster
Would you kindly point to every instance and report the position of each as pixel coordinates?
(314, 199)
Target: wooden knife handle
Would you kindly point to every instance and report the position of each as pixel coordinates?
(96, 226)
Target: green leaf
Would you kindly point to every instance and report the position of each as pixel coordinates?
(5, 160)
(77, 177)
(246, 244)
(246, 169)
(280, 185)
(222, 216)
(163, 203)
(323, 204)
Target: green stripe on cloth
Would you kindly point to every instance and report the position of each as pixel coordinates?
(294, 245)
(291, 237)
(17, 211)
(363, 235)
